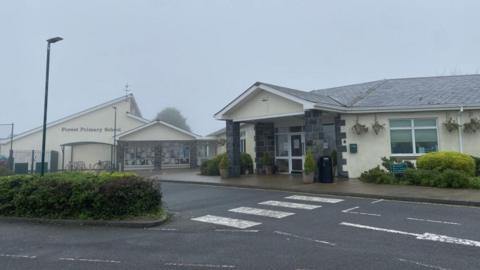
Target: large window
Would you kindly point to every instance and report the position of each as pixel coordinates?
(413, 136)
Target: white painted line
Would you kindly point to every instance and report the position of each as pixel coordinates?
(349, 211)
(377, 201)
(314, 199)
(261, 212)
(378, 229)
(424, 236)
(161, 229)
(434, 221)
(291, 205)
(18, 256)
(423, 264)
(304, 238)
(88, 260)
(200, 265)
(231, 222)
(242, 231)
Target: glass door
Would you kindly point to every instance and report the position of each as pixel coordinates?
(296, 150)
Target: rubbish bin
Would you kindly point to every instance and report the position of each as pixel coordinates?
(325, 169)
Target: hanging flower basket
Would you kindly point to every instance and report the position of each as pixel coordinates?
(359, 129)
(451, 125)
(377, 127)
(472, 126)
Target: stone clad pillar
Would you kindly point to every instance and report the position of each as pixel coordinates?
(314, 136)
(233, 147)
(264, 142)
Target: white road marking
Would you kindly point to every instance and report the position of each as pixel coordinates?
(434, 221)
(231, 222)
(200, 265)
(242, 231)
(304, 238)
(377, 201)
(423, 264)
(18, 256)
(314, 199)
(161, 229)
(291, 205)
(424, 236)
(88, 260)
(261, 212)
(349, 211)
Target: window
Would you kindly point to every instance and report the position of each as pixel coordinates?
(413, 136)
(243, 142)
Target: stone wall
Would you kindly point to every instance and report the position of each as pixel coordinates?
(314, 136)
(264, 141)
(233, 147)
(340, 137)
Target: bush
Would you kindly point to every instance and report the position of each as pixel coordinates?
(477, 165)
(78, 195)
(246, 163)
(474, 182)
(211, 167)
(309, 165)
(447, 160)
(377, 176)
(224, 163)
(420, 177)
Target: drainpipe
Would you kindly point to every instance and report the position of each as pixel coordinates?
(460, 129)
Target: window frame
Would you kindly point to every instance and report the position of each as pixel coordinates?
(412, 129)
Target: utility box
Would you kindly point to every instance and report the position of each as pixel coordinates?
(325, 169)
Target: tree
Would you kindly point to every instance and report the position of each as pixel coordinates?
(174, 117)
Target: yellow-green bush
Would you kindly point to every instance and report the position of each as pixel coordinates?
(447, 160)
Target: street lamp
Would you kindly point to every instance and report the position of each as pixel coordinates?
(49, 42)
(113, 158)
(10, 154)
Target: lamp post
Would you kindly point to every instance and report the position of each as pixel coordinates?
(114, 149)
(10, 153)
(44, 135)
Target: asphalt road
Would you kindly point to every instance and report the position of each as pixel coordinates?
(344, 233)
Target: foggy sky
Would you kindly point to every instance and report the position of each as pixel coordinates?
(199, 55)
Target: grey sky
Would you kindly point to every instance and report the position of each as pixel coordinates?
(198, 55)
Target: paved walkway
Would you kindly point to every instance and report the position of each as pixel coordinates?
(351, 187)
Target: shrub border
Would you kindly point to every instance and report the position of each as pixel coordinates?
(127, 223)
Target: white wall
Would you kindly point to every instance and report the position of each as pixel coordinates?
(157, 132)
(263, 104)
(99, 123)
(372, 147)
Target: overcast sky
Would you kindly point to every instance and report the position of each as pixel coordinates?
(199, 55)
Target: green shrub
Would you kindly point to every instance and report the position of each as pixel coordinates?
(78, 195)
(477, 165)
(421, 177)
(377, 176)
(224, 163)
(266, 160)
(474, 182)
(210, 167)
(246, 163)
(447, 160)
(309, 165)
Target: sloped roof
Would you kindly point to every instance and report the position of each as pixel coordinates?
(458, 90)
(146, 125)
(136, 114)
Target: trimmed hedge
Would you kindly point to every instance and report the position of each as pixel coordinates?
(421, 177)
(211, 167)
(4, 171)
(79, 195)
(447, 160)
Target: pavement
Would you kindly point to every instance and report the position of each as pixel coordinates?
(218, 227)
(352, 187)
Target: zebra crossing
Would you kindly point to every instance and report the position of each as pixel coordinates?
(302, 203)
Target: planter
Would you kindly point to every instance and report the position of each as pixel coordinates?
(223, 173)
(308, 178)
